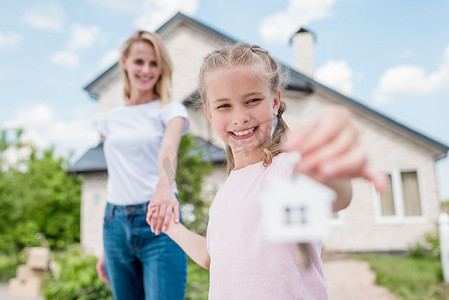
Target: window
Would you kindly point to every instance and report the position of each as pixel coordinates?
(402, 199)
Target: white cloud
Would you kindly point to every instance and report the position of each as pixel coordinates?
(155, 12)
(281, 25)
(150, 13)
(83, 36)
(49, 16)
(43, 130)
(14, 157)
(66, 59)
(407, 80)
(337, 75)
(129, 6)
(39, 115)
(9, 39)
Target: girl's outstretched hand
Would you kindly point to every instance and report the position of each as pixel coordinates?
(329, 149)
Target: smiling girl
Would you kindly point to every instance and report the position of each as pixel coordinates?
(240, 90)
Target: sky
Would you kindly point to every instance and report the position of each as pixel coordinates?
(392, 56)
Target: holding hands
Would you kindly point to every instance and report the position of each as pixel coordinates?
(162, 208)
(329, 149)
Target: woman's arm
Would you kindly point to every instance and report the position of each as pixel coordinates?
(167, 204)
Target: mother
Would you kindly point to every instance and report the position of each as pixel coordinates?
(141, 143)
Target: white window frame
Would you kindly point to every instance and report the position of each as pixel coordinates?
(399, 217)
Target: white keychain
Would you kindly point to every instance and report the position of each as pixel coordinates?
(297, 209)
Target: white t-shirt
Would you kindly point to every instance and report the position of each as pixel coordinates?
(244, 264)
(133, 137)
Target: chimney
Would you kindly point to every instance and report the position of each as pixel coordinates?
(303, 42)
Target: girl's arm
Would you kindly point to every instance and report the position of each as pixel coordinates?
(163, 196)
(331, 154)
(343, 189)
(194, 245)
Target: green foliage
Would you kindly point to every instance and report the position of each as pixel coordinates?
(445, 206)
(75, 277)
(197, 282)
(430, 248)
(189, 179)
(36, 196)
(8, 266)
(409, 277)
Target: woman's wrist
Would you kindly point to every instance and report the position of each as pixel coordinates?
(165, 184)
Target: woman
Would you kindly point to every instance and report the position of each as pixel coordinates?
(141, 143)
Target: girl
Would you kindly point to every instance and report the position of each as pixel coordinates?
(140, 137)
(240, 90)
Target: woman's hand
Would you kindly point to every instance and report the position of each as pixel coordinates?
(152, 208)
(329, 149)
(162, 208)
(101, 271)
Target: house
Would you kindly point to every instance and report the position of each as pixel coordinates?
(372, 222)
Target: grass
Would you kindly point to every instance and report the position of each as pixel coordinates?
(408, 277)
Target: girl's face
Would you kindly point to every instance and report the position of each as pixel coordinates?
(141, 65)
(240, 107)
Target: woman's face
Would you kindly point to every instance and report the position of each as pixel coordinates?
(142, 68)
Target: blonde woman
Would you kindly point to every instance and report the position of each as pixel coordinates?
(142, 139)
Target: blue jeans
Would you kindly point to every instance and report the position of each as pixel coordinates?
(140, 264)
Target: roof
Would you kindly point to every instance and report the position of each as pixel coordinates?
(93, 160)
(209, 152)
(296, 82)
(92, 87)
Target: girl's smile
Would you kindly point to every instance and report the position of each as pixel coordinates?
(244, 134)
(240, 107)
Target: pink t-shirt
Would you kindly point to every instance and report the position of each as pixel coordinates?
(244, 265)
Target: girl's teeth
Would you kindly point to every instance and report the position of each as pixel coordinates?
(240, 133)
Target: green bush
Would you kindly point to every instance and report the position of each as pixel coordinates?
(190, 175)
(8, 265)
(197, 282)
(430, 248)
(36, 196)
(75, 277)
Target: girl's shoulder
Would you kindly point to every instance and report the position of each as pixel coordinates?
(282, 164)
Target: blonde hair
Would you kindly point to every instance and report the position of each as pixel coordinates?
(163, 86)
(261, 63)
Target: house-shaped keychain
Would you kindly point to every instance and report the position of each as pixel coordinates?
(296, 209)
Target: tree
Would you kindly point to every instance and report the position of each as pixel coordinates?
(190, 179)
(36, 196)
